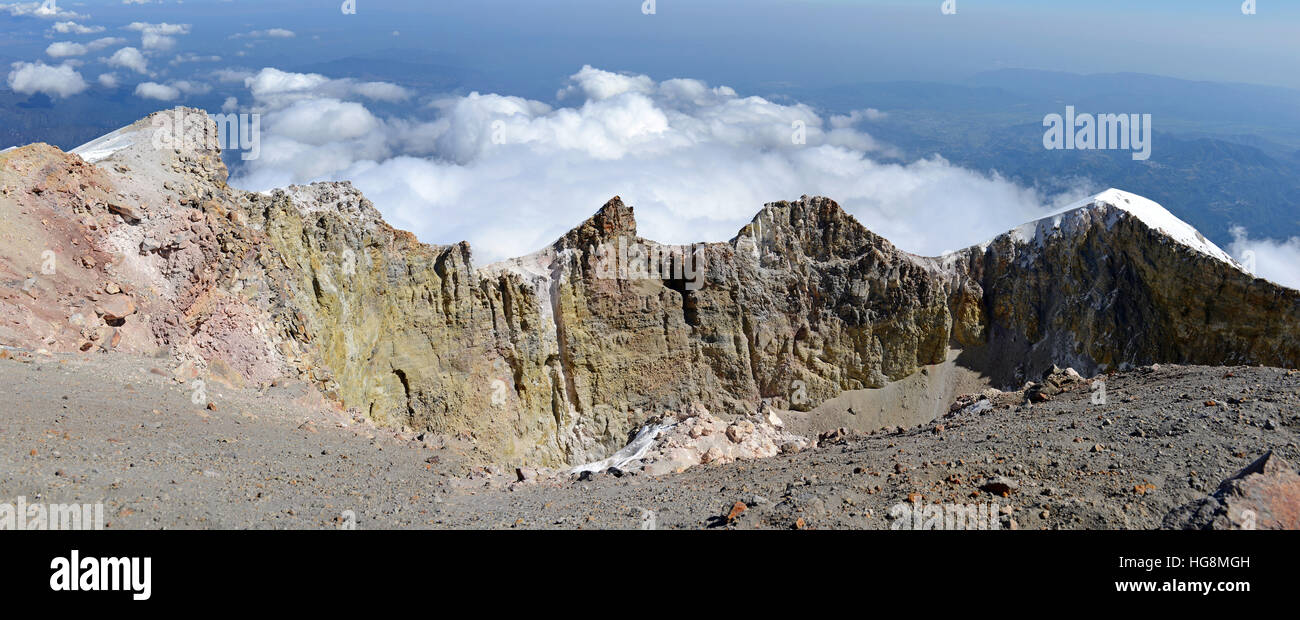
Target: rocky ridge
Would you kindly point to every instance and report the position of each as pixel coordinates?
(560, 357)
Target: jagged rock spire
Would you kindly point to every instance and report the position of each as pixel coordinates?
(612, 221)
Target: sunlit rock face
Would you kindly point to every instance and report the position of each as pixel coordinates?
(560, 356)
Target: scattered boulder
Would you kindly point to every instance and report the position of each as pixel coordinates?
(1055, 382)
(839, 435)
(737, 509)
(115, 307)
(778, 422)
(1000, 485)
(526, 474)
(696, 437)
(129, 214)
(740, 431)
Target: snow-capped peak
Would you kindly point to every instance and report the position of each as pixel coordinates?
(1148, 211)
(1158, 218)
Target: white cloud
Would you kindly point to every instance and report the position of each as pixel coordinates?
(106, 42)
(154, 90)
(191, 57)
(510, 175)
(191, 88)
(129, 58)
(108, 80)
(319, 122)
(158, 36)
(61, 81)
(41, 10)
(857, 116)
(63, 49)
(152, 41)
(75, 28)
(273, 33)
(1274, 260)
(599, 85)
(378, 91)
(230, 104)
(232, 75)
(160, 28)
(270, 83)
(273, 88)
(171, 90)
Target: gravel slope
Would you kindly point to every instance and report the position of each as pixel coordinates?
(107, 429)
(111, 428)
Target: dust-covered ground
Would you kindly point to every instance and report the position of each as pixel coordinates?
(120, 430)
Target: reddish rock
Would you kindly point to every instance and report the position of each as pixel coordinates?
(115, 307)
(1270, 489)
(1263, 496)
(736, 511)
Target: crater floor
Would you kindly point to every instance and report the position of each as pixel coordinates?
(114, 428)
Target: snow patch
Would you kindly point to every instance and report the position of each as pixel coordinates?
(105, 146)
(633, 451)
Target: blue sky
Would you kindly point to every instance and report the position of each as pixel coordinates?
(752, 44)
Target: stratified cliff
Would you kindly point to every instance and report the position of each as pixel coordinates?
(559, 356)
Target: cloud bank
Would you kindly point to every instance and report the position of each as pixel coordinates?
(1278, 261)
(510, 175)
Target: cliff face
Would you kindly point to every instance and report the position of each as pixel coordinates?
(558, 356)
(1100, 288)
